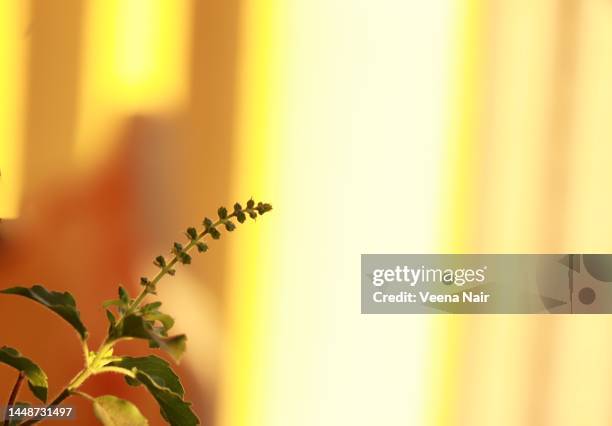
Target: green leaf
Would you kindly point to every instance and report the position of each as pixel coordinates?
(263, 208)
(172, 407)
(166, 320)
(177, 248)
(184, 258)
(124, 297)
(37, 379)
(133, 326)
(163, 384)
(111, 319)
(62, 304)
(150, 307)
(112, 302)
(160, 261)
(192, 233)
(137, 326)
(175, 346)
(158, 369)
(113, 411)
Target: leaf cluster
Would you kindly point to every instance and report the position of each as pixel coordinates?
(128, 318)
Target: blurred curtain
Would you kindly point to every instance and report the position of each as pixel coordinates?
(532, 104)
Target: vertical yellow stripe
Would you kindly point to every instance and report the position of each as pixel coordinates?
(14, 38)
(460, 212)
(460, 199)
(257, 143)
(135, 61)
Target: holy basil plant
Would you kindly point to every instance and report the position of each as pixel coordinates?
(128, 318)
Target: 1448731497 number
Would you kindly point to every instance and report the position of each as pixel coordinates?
(18, 411)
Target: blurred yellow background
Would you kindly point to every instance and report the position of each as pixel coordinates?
(372, 127)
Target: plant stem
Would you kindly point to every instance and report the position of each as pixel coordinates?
(164, 271)
(13, 396)
(61, 397)
(118, 370)
(75, 383)
(84, 395)
(58, 400)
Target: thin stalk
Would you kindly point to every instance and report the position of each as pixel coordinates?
(13, 396)
(164, 271)
(118, 370)
(84, 395)
(61, 397)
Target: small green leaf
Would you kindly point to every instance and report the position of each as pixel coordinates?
(229, 226)
(250, 204)
(177, 248)
(113, 411)
(207, 223)
(123, 296)
(166, 320)
(214, 233)
(172, 407)
(158, 369)
(192, 233)
(111, 321)
(113, 302)
(184, 258)
(202, 247)
(133, 326)
(241, 217)
(160, 261)
(150, 307)
(174, 345)
(110, 317)
(263, 208)
(62, 304)
(37, 379)
(137, 326)
(222, 212)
